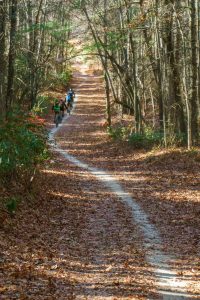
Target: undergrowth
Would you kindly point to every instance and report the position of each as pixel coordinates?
(23, 148)
(148, 139)
(60, 79)
(41, 107)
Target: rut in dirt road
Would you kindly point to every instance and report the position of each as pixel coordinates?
(168, 284)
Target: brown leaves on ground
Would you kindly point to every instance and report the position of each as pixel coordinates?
(165, 182)
(73, 239)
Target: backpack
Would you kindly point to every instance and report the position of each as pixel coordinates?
(62, 105)
(56, 108)
(69, 98)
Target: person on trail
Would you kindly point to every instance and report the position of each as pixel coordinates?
(56, 110)
(71, 93)
(69, 102)
(63, 106)
(69, 97)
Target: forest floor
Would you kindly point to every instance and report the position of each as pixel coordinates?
(75, 239)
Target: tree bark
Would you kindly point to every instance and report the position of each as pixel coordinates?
(107, 85)
(2, 56)
(12, 54)
(194, 47)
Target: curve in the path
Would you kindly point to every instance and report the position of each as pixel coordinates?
(171, 286)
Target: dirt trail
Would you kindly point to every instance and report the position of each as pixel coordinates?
(114, 264)
(78, 241)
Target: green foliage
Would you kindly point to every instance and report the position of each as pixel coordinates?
(149, 139)
(114, 41)
(55, 29)
(146, 140)
(91, 47)
(64, 77)
(176, 139)
(77, 4)
(60, 79)
(11, 204)
(118, 133)
(41, 105)
(22, 145)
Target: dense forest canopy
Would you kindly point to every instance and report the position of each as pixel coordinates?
(149, 50)
(34, 37)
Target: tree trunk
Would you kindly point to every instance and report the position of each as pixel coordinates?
(11, 55)
(107, 85)
(194, 46)
(2, 57)
(173, 54)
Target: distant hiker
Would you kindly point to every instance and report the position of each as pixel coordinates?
(71, 93)
(63, 106)
(69, 100)
(56, 110)
(69, 105)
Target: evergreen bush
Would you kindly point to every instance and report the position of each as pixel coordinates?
(22, 146)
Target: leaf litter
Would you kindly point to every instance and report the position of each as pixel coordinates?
(73, 239)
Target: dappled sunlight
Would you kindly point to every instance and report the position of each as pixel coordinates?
(62, 195)
(90, 85)
(94, 96)
(88, 106)
(84, 238)
(55, 172)
(155, 189)
(85, 115)
(97, 132)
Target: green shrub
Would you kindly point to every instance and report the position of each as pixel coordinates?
(60, 79)
(118, 133)
(12, 203)
(64, 77)
(176, 139)
(150, 139)
(22, 145)
(147, 139)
